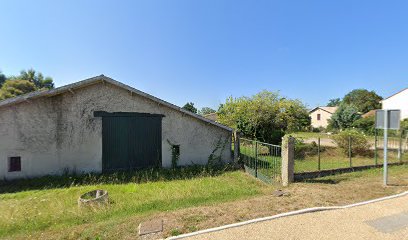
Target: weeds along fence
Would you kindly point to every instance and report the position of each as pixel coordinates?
(262, 160)
(323, 154)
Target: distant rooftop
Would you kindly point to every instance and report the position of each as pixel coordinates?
(394, 94)
(327, 109)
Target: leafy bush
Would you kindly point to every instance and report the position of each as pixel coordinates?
(367, 125)
(359, 142)
(404, 124)
(302, 150)
(319, 129)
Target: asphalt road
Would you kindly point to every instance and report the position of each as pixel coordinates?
(381, 220)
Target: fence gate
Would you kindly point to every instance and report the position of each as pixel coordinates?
(261, 160)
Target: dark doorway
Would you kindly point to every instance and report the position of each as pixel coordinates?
(131, 140)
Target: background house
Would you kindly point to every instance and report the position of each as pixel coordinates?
(321, 115)
(99, 125)
(212, 116)
(397, 101)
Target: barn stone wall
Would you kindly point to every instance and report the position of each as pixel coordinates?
(60, 134)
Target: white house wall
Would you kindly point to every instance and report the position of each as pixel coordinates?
(59, 134)
(398, 101)
(324, 118)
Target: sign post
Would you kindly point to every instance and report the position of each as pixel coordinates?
(385, 147)
(387, 119)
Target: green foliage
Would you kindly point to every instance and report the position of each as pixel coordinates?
(366, 125)
(13, 88)
(36, 78)
(216, 159)
(302, 150)
(206, 110)
(319, 129)
(2, 78)
(404, 124)
(334, 102)
(175, 154)
(359, 142)
(344, 117)
(190, 107)
(265, 116)
(363, 99)
(27, 81)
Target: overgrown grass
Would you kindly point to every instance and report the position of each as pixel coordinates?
(31, 206)
(139, 176)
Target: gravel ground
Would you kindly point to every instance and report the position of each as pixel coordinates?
(351, 223)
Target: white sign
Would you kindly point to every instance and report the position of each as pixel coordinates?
(393, 120)
(387, 119)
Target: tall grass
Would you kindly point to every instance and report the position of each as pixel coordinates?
(37, 205)
(137, 176)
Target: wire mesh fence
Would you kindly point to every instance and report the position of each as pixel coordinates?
(321, 154)
(262, 160)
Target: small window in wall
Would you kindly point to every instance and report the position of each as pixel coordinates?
(318, 117)
(14, 164)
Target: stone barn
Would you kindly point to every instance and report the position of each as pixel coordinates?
(102, 125)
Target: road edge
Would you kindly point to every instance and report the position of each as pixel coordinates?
(287, 214)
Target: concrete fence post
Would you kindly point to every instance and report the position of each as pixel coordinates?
(288, 160)
(236, 146)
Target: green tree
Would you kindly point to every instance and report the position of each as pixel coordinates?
(344, 117)
(36, 78)
(363, 99)
(13, 88)
(206, 110)
(2, 78)
(265, 116)
(190, 107)
(334, 102)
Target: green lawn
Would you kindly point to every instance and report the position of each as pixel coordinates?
(52, 207)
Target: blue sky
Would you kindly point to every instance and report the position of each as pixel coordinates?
(204, 51)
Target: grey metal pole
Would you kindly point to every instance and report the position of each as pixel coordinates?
(400, 147)
(385, 147)
(375, 147)
(318, 154)
(256, 159)
(351, 164)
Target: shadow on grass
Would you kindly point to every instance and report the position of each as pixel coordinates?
(323, 181)
(397, 185)
(122, 177)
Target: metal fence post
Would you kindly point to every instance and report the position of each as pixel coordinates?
(256, 159)
(375, 147)
(400, 147)
(351, 164)
(318, 154)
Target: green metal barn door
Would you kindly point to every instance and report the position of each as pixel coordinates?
(131, 142)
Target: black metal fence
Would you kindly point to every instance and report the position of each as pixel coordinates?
(262, 160)
(320, 154)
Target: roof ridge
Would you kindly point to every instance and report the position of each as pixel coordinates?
(93, 80)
